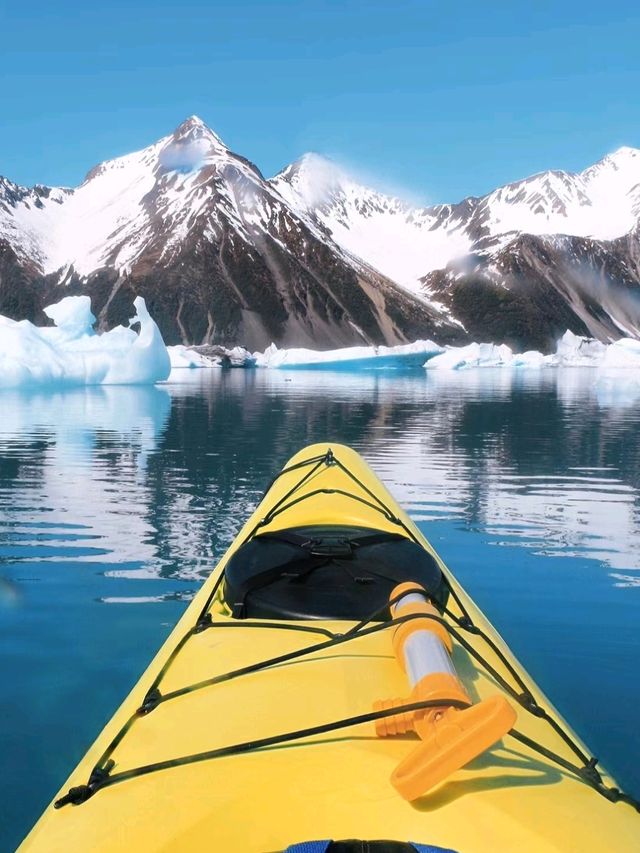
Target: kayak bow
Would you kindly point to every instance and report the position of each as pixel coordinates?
(260, 723)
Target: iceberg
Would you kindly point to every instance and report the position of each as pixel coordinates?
(577, 351)
(182, 357)
(349, 358)
(530, 358)
(622, 353)
(571, 351)
(472, 355)
(72, 353)
(209, 355)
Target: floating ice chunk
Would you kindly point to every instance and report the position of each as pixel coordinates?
(71, 353)
(73, 318)
(182, 356)
(210, 355)
(571, 351)
(349, 358)
(473, 355)
(531, 358)
(24, 354)
(622, 353)
(576, 351)
(238, 357)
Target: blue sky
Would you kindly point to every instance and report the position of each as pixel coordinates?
(434, 100)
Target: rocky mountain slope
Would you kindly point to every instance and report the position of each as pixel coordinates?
(555, 251)
(215, 250)
(312, 258)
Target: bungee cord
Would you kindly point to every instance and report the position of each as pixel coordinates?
(102, 776)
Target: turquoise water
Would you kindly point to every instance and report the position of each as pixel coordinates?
(116, 502)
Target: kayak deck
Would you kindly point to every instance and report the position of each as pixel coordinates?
(333, 784)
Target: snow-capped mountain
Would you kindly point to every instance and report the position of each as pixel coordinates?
(314, 258)
(118, 210)
(401, 241)
(406, 242)
(602, 202)
(215, 250)
(463, 257)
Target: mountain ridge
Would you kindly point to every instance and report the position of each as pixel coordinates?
(313, 257)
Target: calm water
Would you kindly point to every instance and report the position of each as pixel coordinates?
(115, 503)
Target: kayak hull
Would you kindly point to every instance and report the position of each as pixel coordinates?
(333, 785)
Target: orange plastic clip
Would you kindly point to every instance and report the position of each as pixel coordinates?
(451, 737)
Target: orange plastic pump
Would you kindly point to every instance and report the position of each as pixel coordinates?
(451, 737)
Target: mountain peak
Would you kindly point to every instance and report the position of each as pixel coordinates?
(317, 171)
(312, 179)
(622, 160)
(314, 158)
(194, 128)
(190, 146)
(626, 151)
(194, 121)
(222, 243)
(311, 164)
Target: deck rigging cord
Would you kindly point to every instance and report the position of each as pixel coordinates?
(102, 777)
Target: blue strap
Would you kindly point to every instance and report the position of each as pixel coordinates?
(321, 847)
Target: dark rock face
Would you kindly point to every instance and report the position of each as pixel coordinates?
(22, 288)
(534, 289)
(228, 292)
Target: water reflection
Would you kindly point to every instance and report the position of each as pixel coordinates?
(156, 481)
(73, 473)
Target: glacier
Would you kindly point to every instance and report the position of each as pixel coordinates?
(72, 353)
(571, 351)
(349, 358)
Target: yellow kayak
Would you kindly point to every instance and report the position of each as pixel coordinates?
(331, 681)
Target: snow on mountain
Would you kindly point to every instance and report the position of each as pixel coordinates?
(400, 241)
(121, 205)
(187, 179)
(614, 186)
(406, 243)
(25, 214)
(124, 203)
(602, 202)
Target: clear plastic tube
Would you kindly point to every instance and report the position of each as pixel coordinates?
(424, 652)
